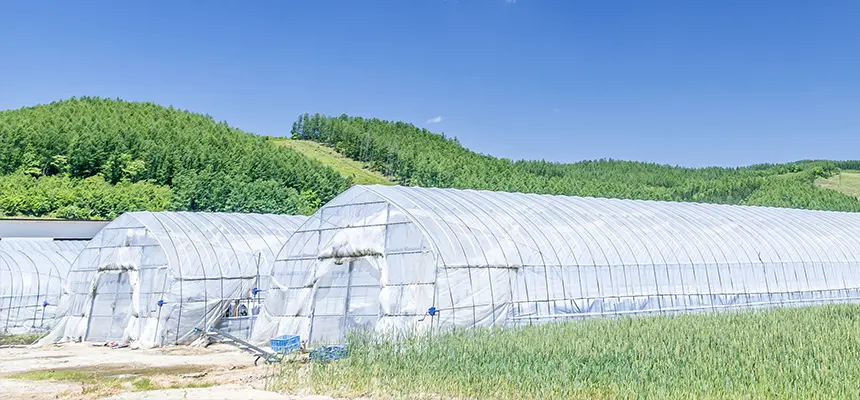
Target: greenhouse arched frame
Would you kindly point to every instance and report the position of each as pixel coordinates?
(161, 278)
(32, 272)
(393, 258)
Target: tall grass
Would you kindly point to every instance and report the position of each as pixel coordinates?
(811, 352)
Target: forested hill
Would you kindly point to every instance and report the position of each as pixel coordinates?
(414, 156)
(95, 158)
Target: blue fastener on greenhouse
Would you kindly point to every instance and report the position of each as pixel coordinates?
(432, 311)
(255, 291)
(44, 303)
(160, 303)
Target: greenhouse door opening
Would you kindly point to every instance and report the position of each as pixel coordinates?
(239, 317)
(346, 298)
(111, 307)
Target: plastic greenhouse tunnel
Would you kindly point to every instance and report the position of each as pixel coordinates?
(161, 278)
(407, 259)
(32, 272)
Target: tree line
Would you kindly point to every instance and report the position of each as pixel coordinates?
(415, 156)
(94, 158)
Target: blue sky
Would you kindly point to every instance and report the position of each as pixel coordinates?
(693, 83)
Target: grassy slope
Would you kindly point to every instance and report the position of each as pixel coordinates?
(345, 166)
(806, 352)
(847, 182)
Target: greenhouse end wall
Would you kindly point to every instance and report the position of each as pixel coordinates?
(385, 258)
(167, 277)
(32, 273)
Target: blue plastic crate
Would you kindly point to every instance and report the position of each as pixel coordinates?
(286, 344)
(328, 353)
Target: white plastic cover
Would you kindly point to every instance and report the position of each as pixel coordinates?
(494, 258)
(165, 277)
(32, 272)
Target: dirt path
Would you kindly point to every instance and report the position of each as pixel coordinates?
(85, 372)
(16, 360)
(35, 390)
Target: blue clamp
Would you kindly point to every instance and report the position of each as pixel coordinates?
(160, 303)
(44, 303)
(255, 291)
(432, 311)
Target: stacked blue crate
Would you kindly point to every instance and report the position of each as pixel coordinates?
(286, 344)
(328, 353)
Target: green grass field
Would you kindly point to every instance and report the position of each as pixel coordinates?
(23, 339)
(811, 352)
(99, 383)
(345, 166)
(847, 182)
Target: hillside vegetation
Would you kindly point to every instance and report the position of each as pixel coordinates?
(847, 182)
(414, 156)
(347, 167)
(95, 158)
(88, 198)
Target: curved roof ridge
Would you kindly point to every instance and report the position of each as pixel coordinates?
(550, 195)
(780, 234)
(205, 234)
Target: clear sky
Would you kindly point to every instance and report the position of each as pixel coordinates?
(728, 82)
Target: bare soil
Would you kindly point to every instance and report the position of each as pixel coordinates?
(82, 372)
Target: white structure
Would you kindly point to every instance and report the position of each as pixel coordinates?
(32, 272)
(164, 277)
(405, 258)
(60, 229)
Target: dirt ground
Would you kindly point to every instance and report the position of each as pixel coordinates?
(217, 372)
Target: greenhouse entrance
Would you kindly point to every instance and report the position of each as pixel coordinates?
(111, 307)
(163, 278)
(346, 297)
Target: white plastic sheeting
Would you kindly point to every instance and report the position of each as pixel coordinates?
(32, 272)
(379, 257)
(165, 277)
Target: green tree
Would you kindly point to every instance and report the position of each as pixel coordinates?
(144, 142)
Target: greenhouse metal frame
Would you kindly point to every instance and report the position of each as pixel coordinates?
(162, 278)
(398, 259)
(32, 272)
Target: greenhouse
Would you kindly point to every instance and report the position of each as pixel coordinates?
(32, 272)
(162, 278)
(408, 259)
